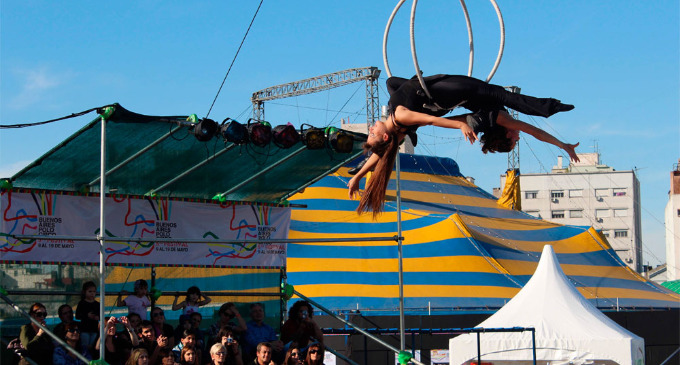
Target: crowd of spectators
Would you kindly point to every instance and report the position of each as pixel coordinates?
(230, 340)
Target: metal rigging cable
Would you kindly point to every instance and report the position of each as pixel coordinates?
(234, 60)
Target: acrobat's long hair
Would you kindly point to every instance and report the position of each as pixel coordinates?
(374, 194)
(496, 140)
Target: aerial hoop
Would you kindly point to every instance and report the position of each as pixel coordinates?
(470, 38)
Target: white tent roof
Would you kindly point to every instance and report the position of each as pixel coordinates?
(568, 327)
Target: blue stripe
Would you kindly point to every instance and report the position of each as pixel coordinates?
(448, 247)
(392, 278)
(390, 306)
(354, 227)
(538, 235)
(595, 258)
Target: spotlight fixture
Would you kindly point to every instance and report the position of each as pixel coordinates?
(260, 133)
(203, 129)
(340, 141)
(285, 136)
(313, 138)
(234, 132)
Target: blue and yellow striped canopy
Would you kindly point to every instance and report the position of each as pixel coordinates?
(461, 250)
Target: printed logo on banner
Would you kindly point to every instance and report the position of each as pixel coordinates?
(133, 226)
(36, 217)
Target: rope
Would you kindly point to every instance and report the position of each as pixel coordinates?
(234, 60)
(8, 126)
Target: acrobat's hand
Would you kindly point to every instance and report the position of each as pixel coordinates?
(353, 186)
(468, 133)
(571, 150)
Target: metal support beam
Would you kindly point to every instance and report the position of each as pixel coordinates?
(320, 83)
(137, 154)
(191, 169)
(513, 156)
(263, 171)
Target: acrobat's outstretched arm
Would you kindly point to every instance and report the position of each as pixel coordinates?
(408, 117)
(353, 183)
(505, 120)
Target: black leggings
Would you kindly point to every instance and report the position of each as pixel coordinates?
(449, 91)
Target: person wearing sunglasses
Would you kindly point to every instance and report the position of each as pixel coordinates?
(293, 356)
(35, 340)
(162, 328)
(65, 313)
(63, 356)
(314, 354)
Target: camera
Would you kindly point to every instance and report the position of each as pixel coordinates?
(230, 340)
(304, 314)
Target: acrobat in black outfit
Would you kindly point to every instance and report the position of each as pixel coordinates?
(410, 108)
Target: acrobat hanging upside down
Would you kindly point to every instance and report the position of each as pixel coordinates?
(410, 108)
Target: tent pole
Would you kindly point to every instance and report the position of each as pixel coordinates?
(479, 349)
(402, 337)
(533, 343)
(102, 234)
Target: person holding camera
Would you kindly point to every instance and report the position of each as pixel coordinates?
(300, 326)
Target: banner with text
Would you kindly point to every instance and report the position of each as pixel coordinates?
(52, 214)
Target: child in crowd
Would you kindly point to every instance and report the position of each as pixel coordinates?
(192, 302)
(87, 312)
(138, 302)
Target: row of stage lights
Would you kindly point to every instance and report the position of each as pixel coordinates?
(261, 133)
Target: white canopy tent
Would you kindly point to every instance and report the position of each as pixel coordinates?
(568, 328)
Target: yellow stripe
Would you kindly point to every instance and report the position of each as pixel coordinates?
(516, 267)
(410, 291)
(594, 292)
(442, 230)
(419, 176)
(425, 264)
(507, 223)
(580, 243)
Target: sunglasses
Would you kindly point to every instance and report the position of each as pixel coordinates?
(313, 351)
(73, 330)
(66, 312)
(156, 314)
(40, 314)
(294, 354)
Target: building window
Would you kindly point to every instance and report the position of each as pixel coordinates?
(601, 213)
(620, 212)
(557, 214)
(605, 233)
(619, 233)
(557, 194)
(530, 194)
(575, 193)
(601, 192)
(534, 213)
(575, 214)
(619, 192)
(678, 212)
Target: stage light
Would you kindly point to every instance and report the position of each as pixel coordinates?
(285, 136)
(234, 132)
(203, 129)
(313, 138)
(340, 141)
(260, 133)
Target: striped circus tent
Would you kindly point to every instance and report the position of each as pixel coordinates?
(461, 250)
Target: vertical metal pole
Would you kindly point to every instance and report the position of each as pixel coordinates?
(102, 235)
(479, 350)
(533, 342)
(402, 336)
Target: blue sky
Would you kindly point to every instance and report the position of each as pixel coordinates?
(617, 61)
